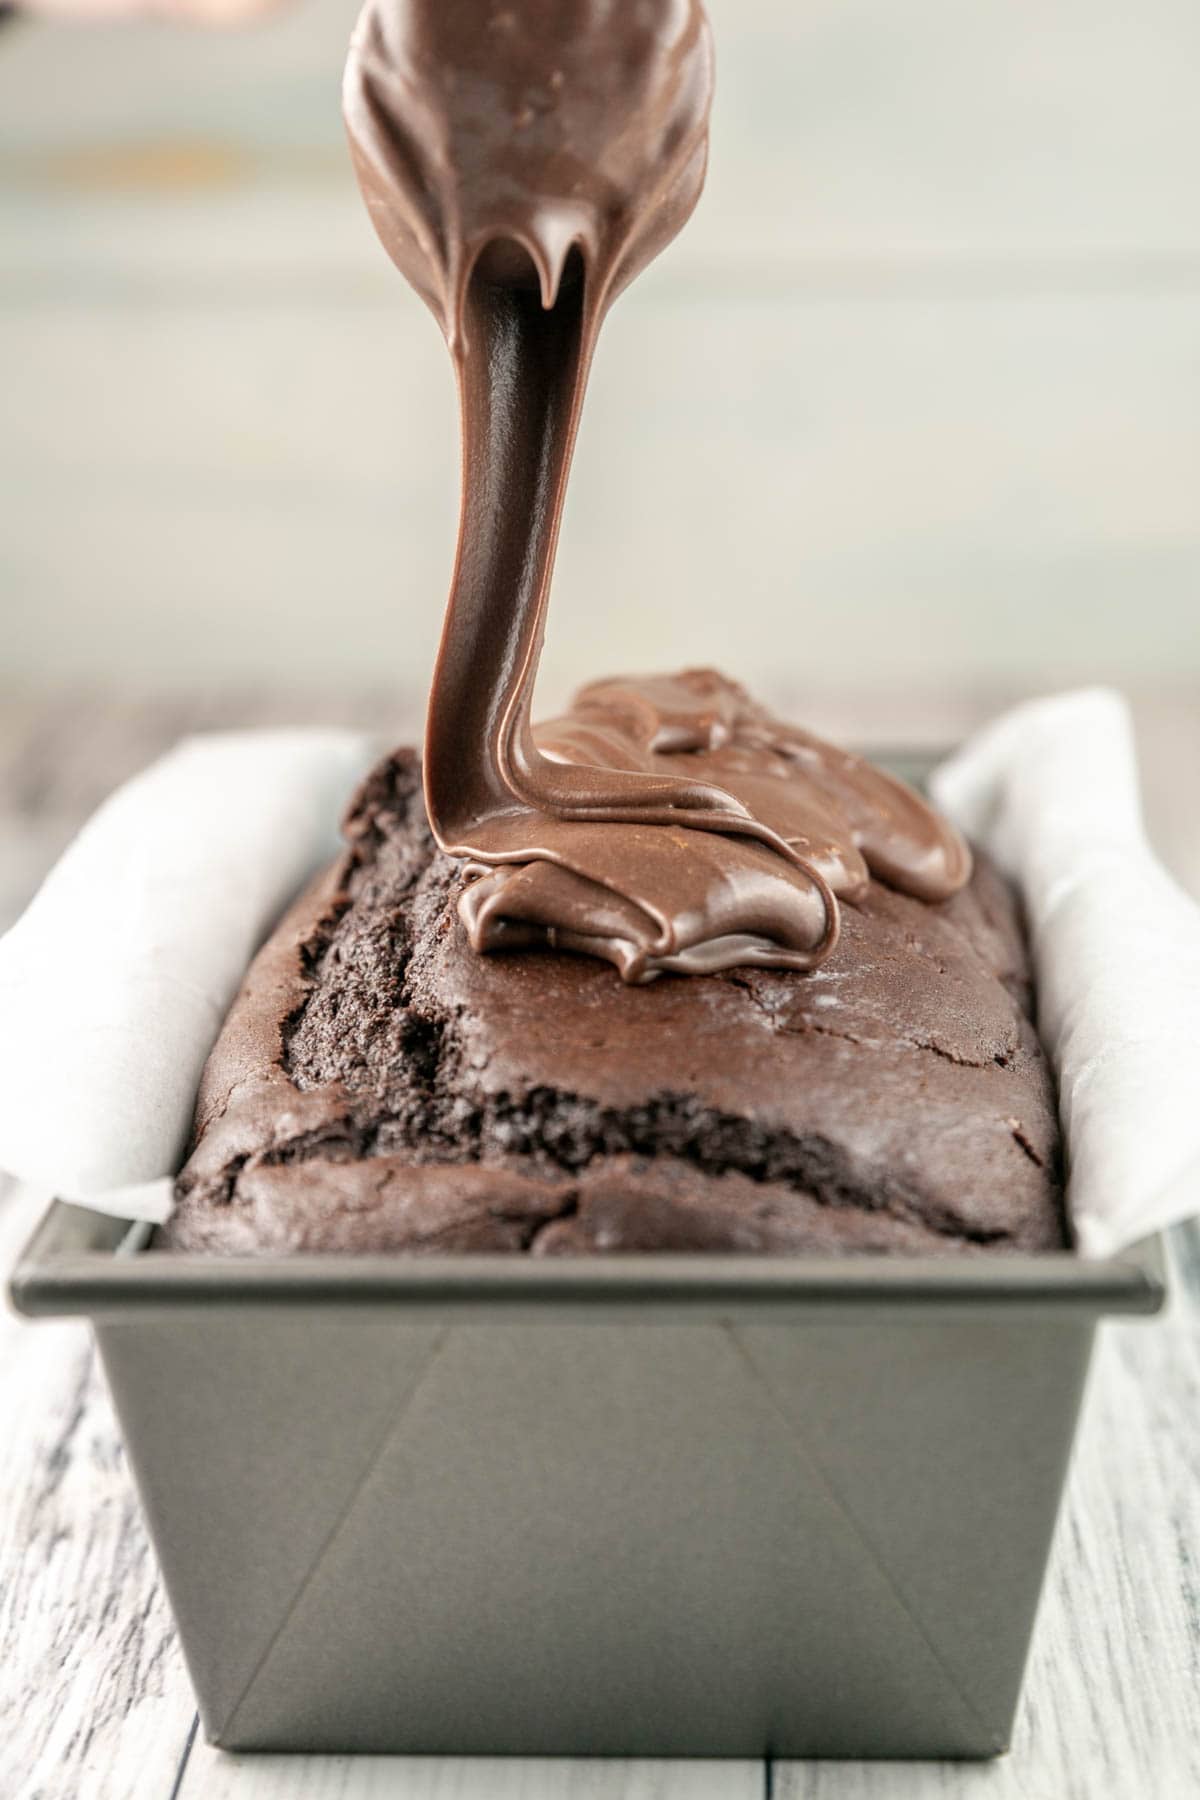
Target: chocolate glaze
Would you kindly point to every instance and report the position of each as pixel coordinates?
(521, 163)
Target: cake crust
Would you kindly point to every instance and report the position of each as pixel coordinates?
(378, 1086)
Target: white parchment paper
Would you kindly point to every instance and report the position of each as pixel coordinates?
(1051, 791)
(115, 981)
(114, 984)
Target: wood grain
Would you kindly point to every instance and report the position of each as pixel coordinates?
(95, 1704)
(213, 1776)
(94, 1700)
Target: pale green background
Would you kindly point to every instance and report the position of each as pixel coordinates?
(914, 401)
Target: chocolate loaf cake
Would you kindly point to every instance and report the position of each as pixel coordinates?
(379, 1086)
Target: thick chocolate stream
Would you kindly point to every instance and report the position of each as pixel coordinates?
(521, 163)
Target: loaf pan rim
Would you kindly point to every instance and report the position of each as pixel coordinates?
(83, 1262)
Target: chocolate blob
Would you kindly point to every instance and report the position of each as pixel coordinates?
(521, 163)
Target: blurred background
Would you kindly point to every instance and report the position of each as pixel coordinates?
(906, 423)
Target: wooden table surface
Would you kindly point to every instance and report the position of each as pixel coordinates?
(94, 1698)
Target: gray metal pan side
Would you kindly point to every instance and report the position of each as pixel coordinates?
(677, 1506)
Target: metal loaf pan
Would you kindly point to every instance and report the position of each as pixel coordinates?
(642, 1505)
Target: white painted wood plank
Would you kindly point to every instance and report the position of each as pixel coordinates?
(213, 1775)
(923, 491)
(275, 233)
(861, 127)
(1112, 1701)
(842, 127)
(94, 1703)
